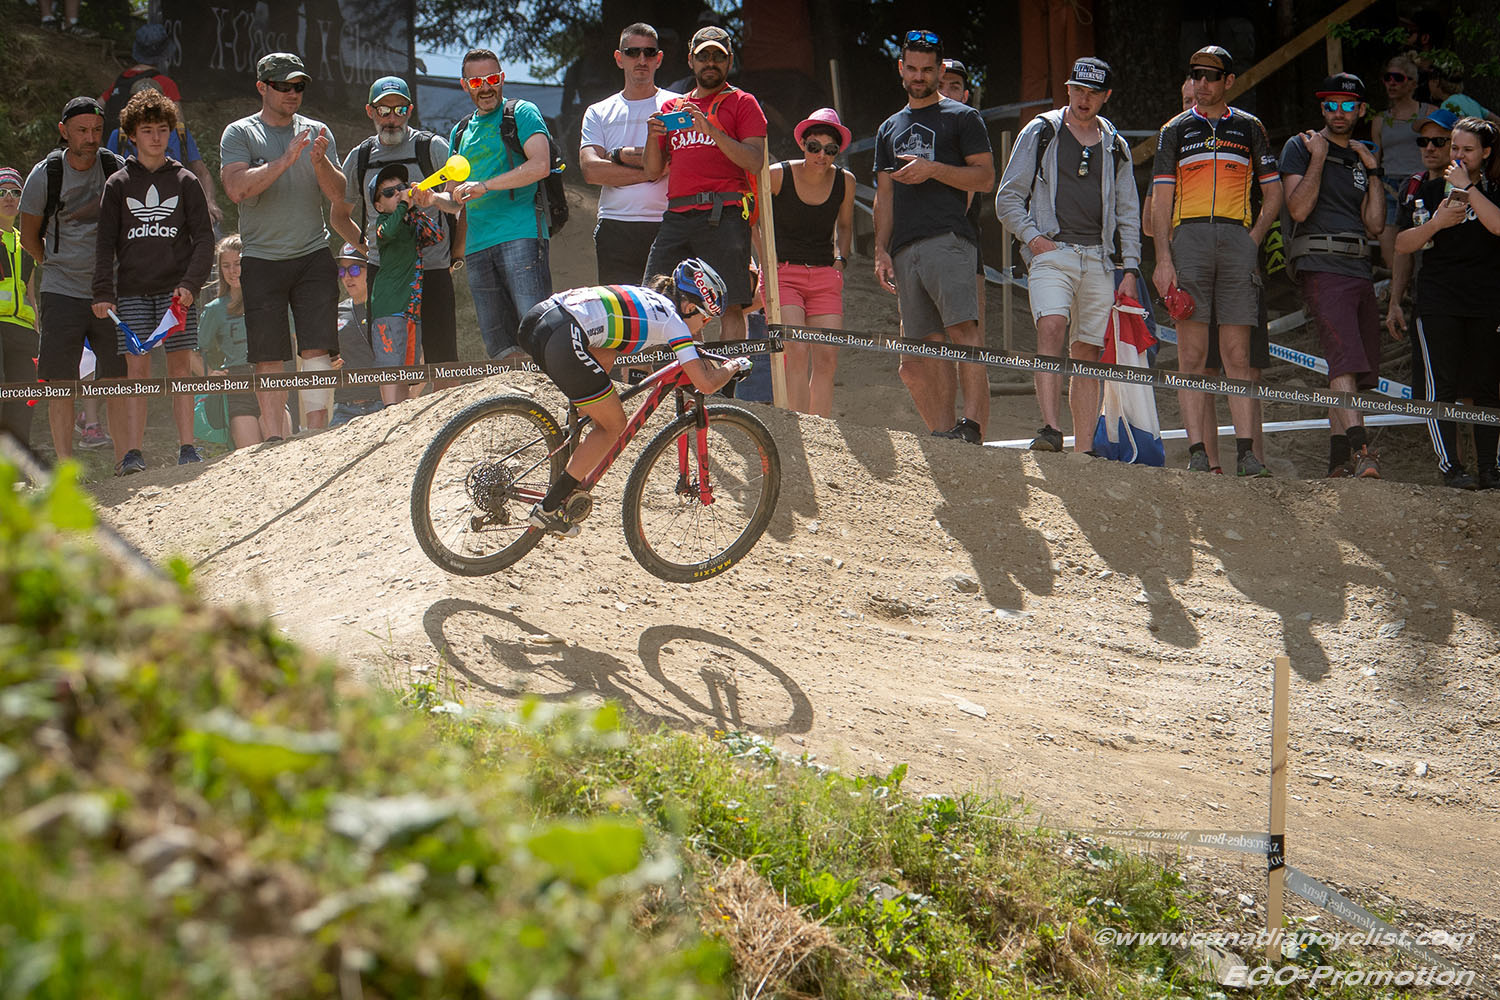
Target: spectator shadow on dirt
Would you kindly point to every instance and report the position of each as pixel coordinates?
(1134, 530)
(982, 504)
(798, 492)
(692, 678)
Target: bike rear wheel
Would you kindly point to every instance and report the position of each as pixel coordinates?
(478, 480)
(670, 530)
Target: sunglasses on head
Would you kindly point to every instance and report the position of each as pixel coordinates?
(10, 192)
(1340, 105)
(387, 192)
(287, 86)
(920, 37)
(636, 51)
(828, 148)
(1435, 141)
(475, 82)
(1206, 73)
(351, 271)
(1395, 78)
(392, 111)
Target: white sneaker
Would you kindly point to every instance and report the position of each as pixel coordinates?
(553, 523)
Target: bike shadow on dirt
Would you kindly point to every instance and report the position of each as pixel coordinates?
(687, 678)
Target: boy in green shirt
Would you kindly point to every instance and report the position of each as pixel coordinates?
(401, 234)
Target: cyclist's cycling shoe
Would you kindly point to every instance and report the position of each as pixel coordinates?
(553, 523)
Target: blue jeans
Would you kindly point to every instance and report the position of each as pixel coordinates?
(506, 280)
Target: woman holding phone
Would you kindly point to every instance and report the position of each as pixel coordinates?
(1456, 314)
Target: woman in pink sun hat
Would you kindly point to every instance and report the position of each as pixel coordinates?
(813, 202)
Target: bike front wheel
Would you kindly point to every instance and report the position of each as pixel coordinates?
(478, 480)
(674, 530)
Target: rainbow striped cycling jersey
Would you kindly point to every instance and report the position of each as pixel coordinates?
(1214, 164)
(627, 318)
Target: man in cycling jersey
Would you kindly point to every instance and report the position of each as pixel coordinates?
(1206, 160)
(575, 336)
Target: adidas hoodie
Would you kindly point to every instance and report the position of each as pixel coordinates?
(155, 224)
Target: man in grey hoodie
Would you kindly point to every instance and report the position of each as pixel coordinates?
(1068, 195)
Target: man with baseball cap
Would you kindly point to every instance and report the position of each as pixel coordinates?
(712, 160)
(1069, 195)
(59, 228)
(1336, 201)
(278, 165)
(1207, 240)
(354, 217)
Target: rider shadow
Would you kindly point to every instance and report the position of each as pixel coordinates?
(502, 666)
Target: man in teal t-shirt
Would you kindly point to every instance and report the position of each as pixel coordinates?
(506, 246)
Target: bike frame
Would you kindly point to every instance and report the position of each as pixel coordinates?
(656, 386)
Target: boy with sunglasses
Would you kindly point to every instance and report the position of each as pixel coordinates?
(278, 166)
(1336, 201)
(402, 233)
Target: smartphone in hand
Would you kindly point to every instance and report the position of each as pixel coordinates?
(677, 120)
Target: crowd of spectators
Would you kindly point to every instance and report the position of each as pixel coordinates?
(128, 228)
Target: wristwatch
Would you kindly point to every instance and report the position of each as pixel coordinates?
(614, 154)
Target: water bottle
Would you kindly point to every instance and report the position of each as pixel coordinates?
(1420, 217)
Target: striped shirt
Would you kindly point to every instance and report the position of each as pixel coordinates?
(627, 318)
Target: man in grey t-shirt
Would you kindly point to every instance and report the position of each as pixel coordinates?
(65, 242)
(278, 166)
(390, 108)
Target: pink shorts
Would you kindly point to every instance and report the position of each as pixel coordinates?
(817, 291)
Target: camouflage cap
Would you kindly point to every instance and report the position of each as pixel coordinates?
(279, 67)
(711, 35)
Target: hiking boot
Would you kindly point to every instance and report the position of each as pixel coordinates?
(1198, 461)
(132, 463)
(965, 430)
(1047, 438)
(1458, 479)
(552, 523)
(1366, 464)
(1250, 467)
(187, 455)
(92, 437)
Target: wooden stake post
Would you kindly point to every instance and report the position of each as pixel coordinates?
(770, 288)
(1276, 858)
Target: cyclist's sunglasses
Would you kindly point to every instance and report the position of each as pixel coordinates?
(1345, 106)
(394, 111)
(475, 82)
(352, 271)
(1395, 78)
(920, 37)
(1435, 141)
(828, 148)
(287, 86)
(1206, 73)
(387, 192)
(636, 51)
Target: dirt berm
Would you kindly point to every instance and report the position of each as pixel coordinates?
(1097, 638)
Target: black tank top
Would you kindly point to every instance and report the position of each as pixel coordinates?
(804, 233)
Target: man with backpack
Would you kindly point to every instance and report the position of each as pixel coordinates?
(390, 108)
(1068, 195)
(510, 154)
(59, 227)
(715, 155)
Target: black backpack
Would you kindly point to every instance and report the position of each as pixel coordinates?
(423, 160)
(1119, 151)
(551, 196)
(108, 161)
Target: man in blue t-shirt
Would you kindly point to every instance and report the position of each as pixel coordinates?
(928, 157)
(506, 245)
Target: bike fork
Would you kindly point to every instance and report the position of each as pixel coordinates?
(685, 468)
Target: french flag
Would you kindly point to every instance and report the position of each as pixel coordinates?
(1128, 429)
(174, 321)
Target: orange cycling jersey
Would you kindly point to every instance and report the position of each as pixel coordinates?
(1213, 164)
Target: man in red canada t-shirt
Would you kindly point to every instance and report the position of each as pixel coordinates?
(706, 214)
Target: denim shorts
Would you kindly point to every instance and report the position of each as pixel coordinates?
(1077, 283)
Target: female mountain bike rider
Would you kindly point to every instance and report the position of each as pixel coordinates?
(575, 336)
